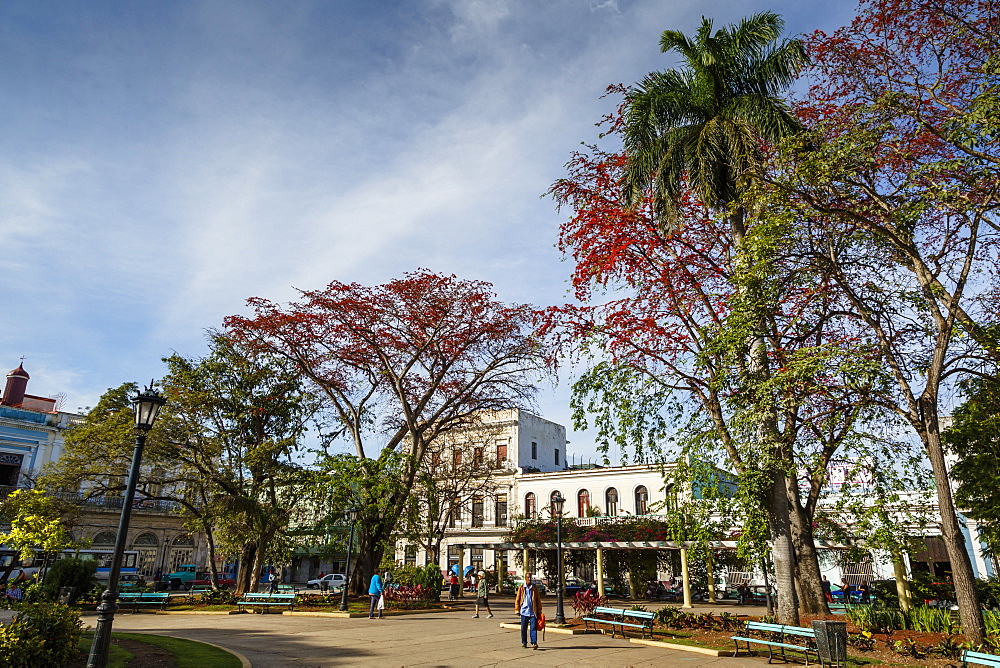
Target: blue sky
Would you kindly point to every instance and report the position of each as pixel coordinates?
(160, 162)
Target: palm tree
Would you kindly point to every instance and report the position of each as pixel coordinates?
(703, 123)
(701, 126)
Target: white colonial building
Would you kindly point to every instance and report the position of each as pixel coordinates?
(532, 468)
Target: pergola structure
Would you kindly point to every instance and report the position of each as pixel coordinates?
(600, 546)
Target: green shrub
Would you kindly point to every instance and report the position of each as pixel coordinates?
(429, 577)
(215, 597)
(71, 572)
(44, 634)
(405, 575)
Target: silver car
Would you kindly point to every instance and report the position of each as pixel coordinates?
(328, 581)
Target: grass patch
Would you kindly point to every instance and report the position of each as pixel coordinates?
(117, 657)
(187, 653)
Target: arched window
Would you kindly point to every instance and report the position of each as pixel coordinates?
(529, 505)
(146, 539)
(611, 501)
(104, 538)
(641, 500)
(582, 503)
(184, 539)
(671, 498)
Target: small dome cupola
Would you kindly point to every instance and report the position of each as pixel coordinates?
(17, 385)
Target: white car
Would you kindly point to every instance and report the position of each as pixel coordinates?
(328, 581)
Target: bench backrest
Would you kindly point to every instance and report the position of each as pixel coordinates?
(608, 611)
(780, 628)
(639, 614)
(264, 597)
(144, 595)
(981, 659)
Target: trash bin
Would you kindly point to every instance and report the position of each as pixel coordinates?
(831, 642)
(66, 595)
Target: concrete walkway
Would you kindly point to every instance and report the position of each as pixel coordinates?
(431, 639)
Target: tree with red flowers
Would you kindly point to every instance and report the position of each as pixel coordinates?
(897, 185)
(400, 365)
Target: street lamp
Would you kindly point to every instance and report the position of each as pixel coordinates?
(147, 406)
(353, 514)
(557, 502)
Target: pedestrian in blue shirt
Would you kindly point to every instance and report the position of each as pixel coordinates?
(375, 590)
(528, 604)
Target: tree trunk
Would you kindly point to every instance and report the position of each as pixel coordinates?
(969, 607)
(245, 581)
(368, 557)
(782, 550)
(212, 568)
(812, 600)
(779, 524)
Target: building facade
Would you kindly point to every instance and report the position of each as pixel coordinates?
(31, 436)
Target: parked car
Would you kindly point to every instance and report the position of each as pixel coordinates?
(225, 580)
(542, 590)
(574, 585)
(328, 581)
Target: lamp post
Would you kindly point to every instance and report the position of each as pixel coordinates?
(353, 515)
(557, 508)
(147, 406)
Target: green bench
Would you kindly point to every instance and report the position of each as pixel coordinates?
(979, 659)
(777, 635)
(200, 589)
(264, 602)
(617, 618)
(135, 599)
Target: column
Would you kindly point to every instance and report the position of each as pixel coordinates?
(902, 590)
(975, 549)
(525, 561)
(684, 578)
(461, 571)
(711, 578)
(600, 571)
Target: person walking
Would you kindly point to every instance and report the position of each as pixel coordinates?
(528, 604)
(827, 591)
(482, 594)
(453, 586)
(845, 590)
(375, 590)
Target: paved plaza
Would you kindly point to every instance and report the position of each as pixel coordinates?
(425, 639)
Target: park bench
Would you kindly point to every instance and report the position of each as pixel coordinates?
(979, 659)
(776, 644)
(264, 602)
(200, 589)
(617, 618)
(136, 598)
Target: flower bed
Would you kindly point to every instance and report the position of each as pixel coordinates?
(713, 631)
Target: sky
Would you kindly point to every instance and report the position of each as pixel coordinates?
(161, 162)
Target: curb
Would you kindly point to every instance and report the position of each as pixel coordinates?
(551, 629)
(197, 612)
(689, 648)
(362, 615)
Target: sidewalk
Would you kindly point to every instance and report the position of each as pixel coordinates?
(430, 639)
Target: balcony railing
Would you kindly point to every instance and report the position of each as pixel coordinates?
(105, 502)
